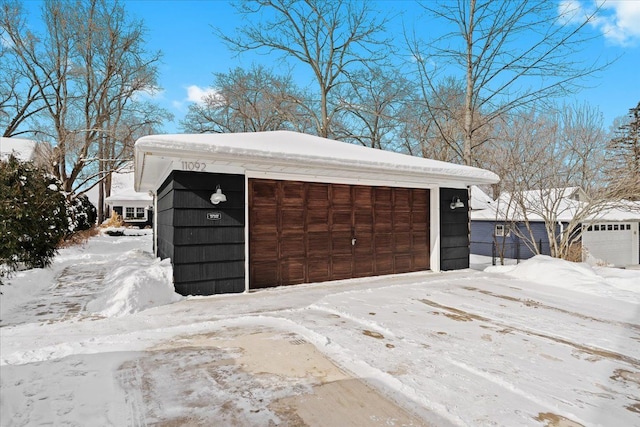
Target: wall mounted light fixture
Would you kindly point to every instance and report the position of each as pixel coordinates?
(218, 196)
(456, 203)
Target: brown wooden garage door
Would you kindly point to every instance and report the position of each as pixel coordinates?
(302, 232)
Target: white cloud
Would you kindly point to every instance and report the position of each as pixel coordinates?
(152, 93)
(617, 20)
(197, 94)
(621, 22)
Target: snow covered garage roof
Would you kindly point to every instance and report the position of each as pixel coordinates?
(290, 153)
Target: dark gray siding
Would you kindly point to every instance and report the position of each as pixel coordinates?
(204, 241)
(454, 230)
(512, 246)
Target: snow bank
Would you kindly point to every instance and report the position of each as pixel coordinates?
(139, 283)
(545, 270)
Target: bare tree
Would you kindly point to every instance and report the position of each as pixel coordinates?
(249, 101)
(20, 97)
(550, 164)
(584, 140)
(372, 102)
(498, 48)
(623, 159)
(90, 69)
(332, 38)
(440, 109)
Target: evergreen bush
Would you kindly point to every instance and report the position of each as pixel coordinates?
(35, 216)
(84, 214)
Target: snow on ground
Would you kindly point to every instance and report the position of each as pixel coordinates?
(99, 338)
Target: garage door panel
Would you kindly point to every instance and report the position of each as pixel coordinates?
(341, 267)
(292, 245)
(420, 260)
(362, 196)
(266, 220)
(341, 243)
(384, 264)
(383, 220)
(341, 220)
(364, 244)
(402, 243)
(401, 197)
(319, 244)
(420, 241)
(383, 243)
(319, 269)
(401, 221)
(263, 193)
(264, 247)
(382, 197)
(291, 220)
(341, 195)
(292, 193)
(364, 267)
(292, 271)
(318, 219)
(363, 219)
(403, 262)
(420, 199)
(318, 195)
(263, 274)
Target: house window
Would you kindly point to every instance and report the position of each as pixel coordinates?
(128, 213)
(615, 227)
(140, 213)
(501, 230)
(628, 226)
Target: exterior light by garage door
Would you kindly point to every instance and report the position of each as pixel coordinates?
(456, 203)
(218, 196)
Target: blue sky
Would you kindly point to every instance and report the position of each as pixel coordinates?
(183, 31)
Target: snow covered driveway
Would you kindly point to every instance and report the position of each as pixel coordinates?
(546, 343)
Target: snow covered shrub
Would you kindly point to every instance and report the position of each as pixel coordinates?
(34, 215)
(83, 213)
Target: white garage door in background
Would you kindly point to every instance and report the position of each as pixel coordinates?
(615, 243)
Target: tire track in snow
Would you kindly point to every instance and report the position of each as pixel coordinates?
(461, 314)
(130, 378)
(537, 304)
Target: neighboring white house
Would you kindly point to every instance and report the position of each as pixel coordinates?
(135, 208)
(610, 236)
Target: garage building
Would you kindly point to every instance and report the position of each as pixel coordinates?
(243, 211)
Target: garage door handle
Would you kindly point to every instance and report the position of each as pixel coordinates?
(353, 241)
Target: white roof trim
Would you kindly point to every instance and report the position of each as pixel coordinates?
(293, 153)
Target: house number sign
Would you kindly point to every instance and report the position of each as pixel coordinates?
(214, 216)
(193, 166)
